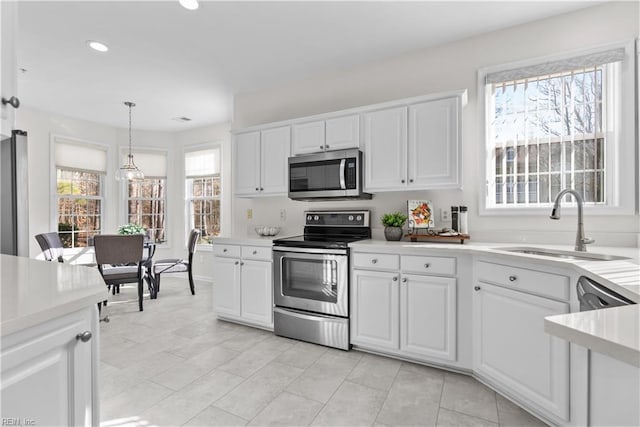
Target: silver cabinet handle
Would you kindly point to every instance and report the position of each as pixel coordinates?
(261, 189)
(476, 288)
(257, 189)
(322, 147)
(411, 180)
(402, 181)
(242, 263)
(84, 337)
(395, 278)
(326, 146)
(512, 278)
(427, 265)
(224, 250)
(255, 252)
(236, 263)
(404, 280)
(374, 261)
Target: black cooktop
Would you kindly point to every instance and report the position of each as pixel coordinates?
(333, 230)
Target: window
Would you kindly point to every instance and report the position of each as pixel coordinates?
(146, 199)
(203, 190)
(553, 126)
(80, 170)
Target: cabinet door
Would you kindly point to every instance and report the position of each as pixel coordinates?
(246, 163)
(8, 67)
(47, 377)
(374, 309)
(385, 149)
(428, 316)
(308, 138)
(342, 133)
(275, 148)
(257, 292)
(435, 149)
(226, 286)
(512, 349)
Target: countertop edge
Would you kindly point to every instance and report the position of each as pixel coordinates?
(554, 325)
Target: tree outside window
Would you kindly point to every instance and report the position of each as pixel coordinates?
(79, 206)
(203, 192)
(146, 206)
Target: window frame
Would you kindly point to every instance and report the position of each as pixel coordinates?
(53, 190)
(123, 150)
(621, 194)
(219, 145)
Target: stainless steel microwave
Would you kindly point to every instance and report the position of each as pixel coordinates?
(327, 176)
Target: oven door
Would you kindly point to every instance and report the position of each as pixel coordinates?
(311, 279)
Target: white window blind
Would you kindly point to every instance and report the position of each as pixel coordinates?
(559, 66)
(152, 163)
(202, 163)
(78, 156)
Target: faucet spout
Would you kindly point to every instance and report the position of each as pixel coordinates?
(581, 241)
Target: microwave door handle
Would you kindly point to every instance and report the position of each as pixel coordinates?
(343, 184)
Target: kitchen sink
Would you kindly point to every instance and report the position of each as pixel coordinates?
(553, 253)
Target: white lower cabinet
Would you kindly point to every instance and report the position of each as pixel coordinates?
(49, 375)
(242, 288)
(428, 316)
(515, 355)
(375, 309)
(408, 314)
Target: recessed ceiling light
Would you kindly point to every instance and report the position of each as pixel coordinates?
(189, 4)
(100, 47)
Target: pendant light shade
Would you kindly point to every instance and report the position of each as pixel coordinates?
(129, 171)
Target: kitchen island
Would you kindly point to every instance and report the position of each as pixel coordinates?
(49, 332)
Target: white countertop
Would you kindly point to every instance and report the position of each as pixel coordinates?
(611, 331)
(35, 292)
(253, 241)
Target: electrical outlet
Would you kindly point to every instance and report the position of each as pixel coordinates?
(249, 213)
(445, 216)
(283, 214)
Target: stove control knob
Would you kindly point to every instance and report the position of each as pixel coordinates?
(308, 217)
(350, 217)
(315, 218)
(359, 218)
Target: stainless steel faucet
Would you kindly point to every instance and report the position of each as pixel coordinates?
(581, 241)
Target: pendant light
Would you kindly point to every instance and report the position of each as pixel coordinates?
(129, 171)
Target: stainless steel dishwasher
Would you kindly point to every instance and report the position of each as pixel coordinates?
(593, 295)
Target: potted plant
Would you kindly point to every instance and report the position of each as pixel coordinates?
(131, 229)
(393, 223)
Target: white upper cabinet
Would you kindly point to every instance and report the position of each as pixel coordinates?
(385, 145)
(308, 138)
(274, 174)
(246, 171)
(338, 133)
(435, 145)
(342, 133)
(260, 162)
(8, 66)
(418, 150)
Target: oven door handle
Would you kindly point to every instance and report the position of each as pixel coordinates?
(310, 250)
(343, 184)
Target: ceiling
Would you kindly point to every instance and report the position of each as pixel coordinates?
(173, 62)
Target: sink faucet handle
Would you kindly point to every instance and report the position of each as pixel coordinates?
(588, 240)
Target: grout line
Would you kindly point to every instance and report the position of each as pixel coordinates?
(386, 396)
(472, 416)
(444, 379)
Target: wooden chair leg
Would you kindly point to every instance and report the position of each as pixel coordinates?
(157, 282)
(193, 289)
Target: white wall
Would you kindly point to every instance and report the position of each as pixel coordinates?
(448, 67)
(41, 125)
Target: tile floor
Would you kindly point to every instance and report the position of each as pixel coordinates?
(176, 364)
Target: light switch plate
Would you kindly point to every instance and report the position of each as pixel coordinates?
(249, 213)
(445, 216)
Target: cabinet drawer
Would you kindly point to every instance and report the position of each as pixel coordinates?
(376, 261)
(226, 250)
(256, 252)
(553, 285)
(428, 264)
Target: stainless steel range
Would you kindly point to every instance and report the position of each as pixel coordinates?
(311, 277)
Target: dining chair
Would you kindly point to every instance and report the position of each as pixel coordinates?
(51, 246)
(120, 260)
(176, 265)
